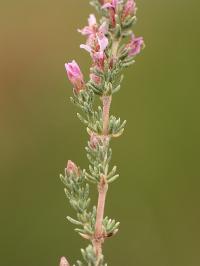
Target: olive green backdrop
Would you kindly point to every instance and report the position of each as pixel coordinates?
(157, 197)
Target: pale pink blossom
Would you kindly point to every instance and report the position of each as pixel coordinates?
(96, 45)
(135, 45)
(86, 47)
(92, 27)
(75, 76)
(102, 39)
(97, 40)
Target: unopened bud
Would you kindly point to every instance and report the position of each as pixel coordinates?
(71, 168)
(94, 141)
(64, 262)
(129, 9)
(75, 76)
(96, 79)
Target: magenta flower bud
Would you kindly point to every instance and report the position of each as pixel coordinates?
(64, 262)
(71, 168)
(75, 76)
(129, 9)
(135, 45)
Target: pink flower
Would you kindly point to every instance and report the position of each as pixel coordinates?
(135, 45)
(102, 39)
(129, 9)
(64, 262)
(92, 27)
(96, 45)
(97, 41)
(71, 168)
(75, 76)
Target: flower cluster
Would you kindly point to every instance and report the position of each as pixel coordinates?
(112, 46)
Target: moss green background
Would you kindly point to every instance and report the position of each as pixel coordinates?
(157, 198)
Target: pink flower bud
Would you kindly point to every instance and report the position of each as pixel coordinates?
(94, 141)
(129, 9)
(75, 76)
(96, 79)
(135, 45)
(71, 168)
(111, 5)
(99, 58)
(64, 262)
(97, 140)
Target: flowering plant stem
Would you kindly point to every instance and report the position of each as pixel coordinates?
(109, 57)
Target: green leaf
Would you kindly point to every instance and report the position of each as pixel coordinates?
(112, 179)
(73, 221)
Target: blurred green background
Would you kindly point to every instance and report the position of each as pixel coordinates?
(157, 198)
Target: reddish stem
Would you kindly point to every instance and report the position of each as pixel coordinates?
(102, 187)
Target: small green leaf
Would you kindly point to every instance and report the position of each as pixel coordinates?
(73, 221)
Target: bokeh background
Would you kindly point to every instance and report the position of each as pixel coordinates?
(157, 198)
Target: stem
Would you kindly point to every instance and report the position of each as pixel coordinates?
(115, 47)
(102, 187)
(106, 113)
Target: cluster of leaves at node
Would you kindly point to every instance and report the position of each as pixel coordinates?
(91, 118)
(90, 259)
(77, 191)
(99, 155)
